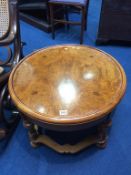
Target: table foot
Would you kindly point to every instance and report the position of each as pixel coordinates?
(33, 144)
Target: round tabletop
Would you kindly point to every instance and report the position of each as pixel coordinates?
(67, 84)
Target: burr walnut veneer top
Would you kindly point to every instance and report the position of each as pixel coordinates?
(68, 84)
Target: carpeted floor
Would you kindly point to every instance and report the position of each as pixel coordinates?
(17, 157)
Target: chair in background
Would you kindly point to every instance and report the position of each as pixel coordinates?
(80, 5)
(9, 35)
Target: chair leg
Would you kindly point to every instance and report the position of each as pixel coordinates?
(3, 128)
(67, 16)
(8, 125)
(22, 45)
(85, 18)
(82, 24)
(86, 13)
(52, 20)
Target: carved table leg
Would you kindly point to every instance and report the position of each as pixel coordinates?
(33, 135)
(32, 132)
(102, 133)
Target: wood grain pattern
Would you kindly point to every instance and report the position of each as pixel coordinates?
(67, 84)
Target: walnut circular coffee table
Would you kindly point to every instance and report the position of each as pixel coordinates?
(67, 89)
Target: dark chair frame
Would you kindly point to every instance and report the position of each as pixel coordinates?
(12, 36)
(82, 8)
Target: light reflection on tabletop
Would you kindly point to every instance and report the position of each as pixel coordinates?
(67, 91)
(88, 75)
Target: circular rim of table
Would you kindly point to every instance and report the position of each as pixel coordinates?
(69, 121)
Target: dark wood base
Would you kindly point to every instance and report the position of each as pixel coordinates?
(36, 22)
(98, 137)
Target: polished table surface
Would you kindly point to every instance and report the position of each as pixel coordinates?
(67, 84)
